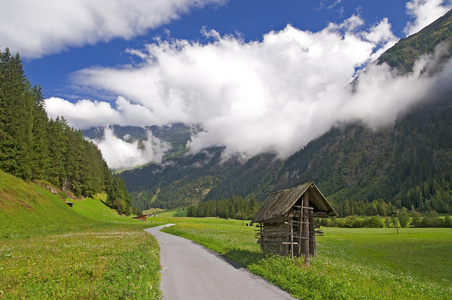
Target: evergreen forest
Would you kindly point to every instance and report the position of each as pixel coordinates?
(36, 147)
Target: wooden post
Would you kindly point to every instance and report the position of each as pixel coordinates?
(306, 228)
(312, 244)
(397, 221)
(291, 237)
(300, 232)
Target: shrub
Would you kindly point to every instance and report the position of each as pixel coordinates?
(350, 222)
(374, 222)
(416, 219)
(404, 217)
(432, 220)
(448, 222)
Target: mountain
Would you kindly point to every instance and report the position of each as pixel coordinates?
(407, 164)
(403, 55)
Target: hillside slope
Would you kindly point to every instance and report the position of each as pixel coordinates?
(28, 209)
(404, 54)
(51, 251)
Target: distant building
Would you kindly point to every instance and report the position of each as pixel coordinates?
(286, 225)
(141, 218)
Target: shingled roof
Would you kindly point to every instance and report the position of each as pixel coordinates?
(279, 203)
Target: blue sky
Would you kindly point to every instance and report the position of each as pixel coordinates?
(249, 18)
(258, 75)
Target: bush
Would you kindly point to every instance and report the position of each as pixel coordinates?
(432, 220)
(350, 222)
(373, 222)
(448, 222)
(416, 219)
(404, 217)
(388, 222)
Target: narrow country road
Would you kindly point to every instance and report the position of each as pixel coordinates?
(190, 271)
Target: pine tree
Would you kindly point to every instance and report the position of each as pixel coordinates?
(16, 104)
(57, 148)
(74, 160)
(40, 149)
(118, 197)
(34, 147)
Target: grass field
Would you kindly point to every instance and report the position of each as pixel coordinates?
(48, 250)
(51, 251)
(351, 263)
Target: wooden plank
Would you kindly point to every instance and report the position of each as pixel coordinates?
(306, 229)
(300, 236)
(291, 238)
(312, 242)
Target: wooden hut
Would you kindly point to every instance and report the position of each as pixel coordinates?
(141, 218)
(285, 220)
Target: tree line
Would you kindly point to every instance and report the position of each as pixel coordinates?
(402, 219)
(233, 208)
(36, 147)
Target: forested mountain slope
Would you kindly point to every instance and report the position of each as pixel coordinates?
(403, 55)
(408, 163)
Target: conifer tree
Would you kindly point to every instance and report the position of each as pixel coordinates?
(34, 147)
(40, 149)
(57, 149)
(16, 104)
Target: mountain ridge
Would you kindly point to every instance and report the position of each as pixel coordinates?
(407, 164)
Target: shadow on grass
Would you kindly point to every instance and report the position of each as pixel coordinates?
(243, 258)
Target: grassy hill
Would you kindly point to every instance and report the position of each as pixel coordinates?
(27, 210)
(49, 250)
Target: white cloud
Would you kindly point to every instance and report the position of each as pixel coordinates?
(83, 114)
(425, 12)
(382, 95)
(122, 155)
(37, 28)
(274, 95)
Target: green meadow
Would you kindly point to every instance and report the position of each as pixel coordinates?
(51, 251)
(361, 263)
(48, 250)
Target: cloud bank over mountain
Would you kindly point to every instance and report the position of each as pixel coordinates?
(120, 154)
(274, 95)
(425, 12)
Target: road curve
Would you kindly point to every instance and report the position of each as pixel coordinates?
(190, 271)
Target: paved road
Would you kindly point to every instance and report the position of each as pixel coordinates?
(190, 271)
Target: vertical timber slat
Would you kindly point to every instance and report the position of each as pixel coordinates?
(291, 237)
(306, 228)
(312, 244)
